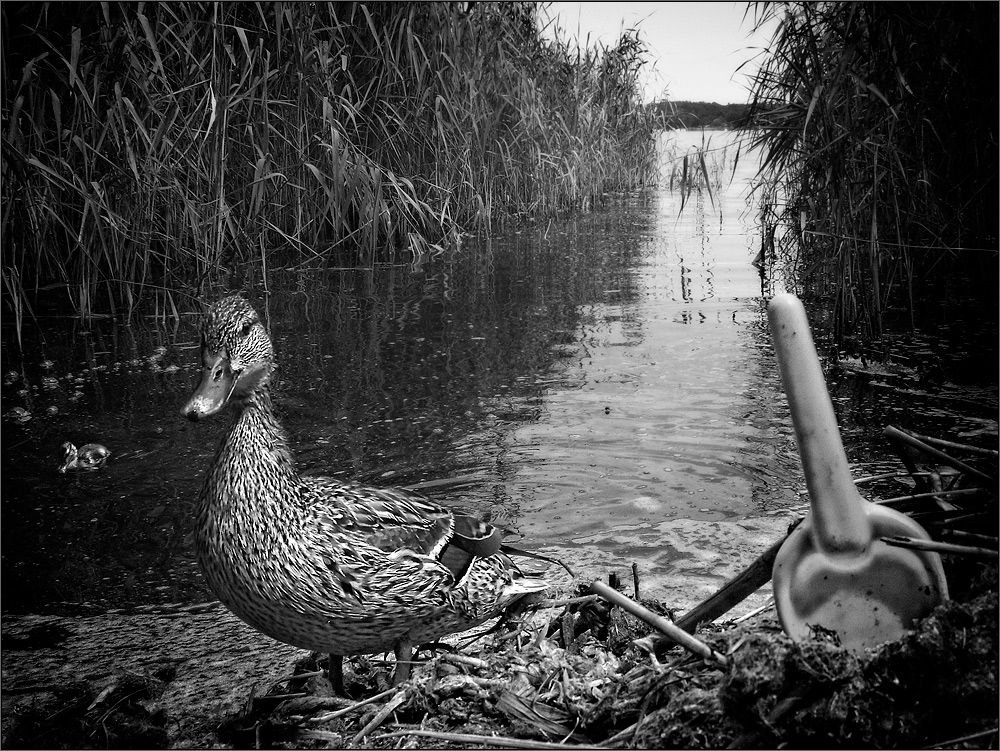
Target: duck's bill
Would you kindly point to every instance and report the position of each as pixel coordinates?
(216, 386)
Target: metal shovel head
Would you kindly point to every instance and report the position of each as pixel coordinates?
(834, 571)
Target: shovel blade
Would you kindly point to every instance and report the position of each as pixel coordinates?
(867, 599)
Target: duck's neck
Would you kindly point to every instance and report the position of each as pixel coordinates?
(254, 466)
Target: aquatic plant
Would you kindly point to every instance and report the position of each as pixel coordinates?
(878, 185)
(151, 149)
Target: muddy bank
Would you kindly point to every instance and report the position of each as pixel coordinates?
(154, 679)
(197, 677)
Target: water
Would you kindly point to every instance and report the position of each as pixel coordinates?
(605, 387)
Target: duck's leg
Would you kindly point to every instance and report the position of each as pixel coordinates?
(335, 672)
(403, 648)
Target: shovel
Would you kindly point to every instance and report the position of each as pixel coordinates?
(833, 570)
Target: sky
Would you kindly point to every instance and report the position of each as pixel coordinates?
(694, 48)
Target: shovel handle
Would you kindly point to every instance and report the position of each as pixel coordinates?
(839, 520)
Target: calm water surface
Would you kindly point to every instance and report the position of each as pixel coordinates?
(603, 386)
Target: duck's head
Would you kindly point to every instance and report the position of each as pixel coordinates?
(88, 457)
(236, 357)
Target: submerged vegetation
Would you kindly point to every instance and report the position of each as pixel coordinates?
(157, 147)
(878, 128)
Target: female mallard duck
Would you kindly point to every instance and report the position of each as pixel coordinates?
(90, 456)
(317, 563)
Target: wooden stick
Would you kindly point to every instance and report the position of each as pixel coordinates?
(897, 434)
(658, 622)
(737, 589)
(940, 547)
(731, 594)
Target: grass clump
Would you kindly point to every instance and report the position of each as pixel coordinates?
(154, 147)
(878, 186)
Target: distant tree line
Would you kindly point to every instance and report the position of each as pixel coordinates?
(699, 114)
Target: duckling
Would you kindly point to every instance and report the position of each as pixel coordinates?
(88, 457)
(318, 563)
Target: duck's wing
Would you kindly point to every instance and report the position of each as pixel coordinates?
(394, 520)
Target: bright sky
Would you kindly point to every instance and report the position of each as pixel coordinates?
(694, 48)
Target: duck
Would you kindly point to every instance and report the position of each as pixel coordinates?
(321, 564)
(88, 457)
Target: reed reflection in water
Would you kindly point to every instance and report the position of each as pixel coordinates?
(606, 382)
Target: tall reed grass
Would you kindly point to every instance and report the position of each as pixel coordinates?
(878, 125)
(155, 147)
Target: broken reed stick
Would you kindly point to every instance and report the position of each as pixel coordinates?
(915, 543)
(391, 706)
(567, 601)
(941, 518)
(957, 446)
(465, 660)
(756, 611)
(319, 719)
(953, 742)
(487, 740)
(890, 476)
(618, 738)
(658, 622)
(936, 494)
(895, 433)
(971, 537)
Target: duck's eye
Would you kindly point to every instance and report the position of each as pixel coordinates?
(246, 328)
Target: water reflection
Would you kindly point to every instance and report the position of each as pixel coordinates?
(606, 382)
(674, 412)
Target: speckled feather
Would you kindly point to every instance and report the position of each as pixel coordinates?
(317, 563)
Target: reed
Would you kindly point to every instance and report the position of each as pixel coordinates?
(878, 185)
(701, 167)
(151, 149)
